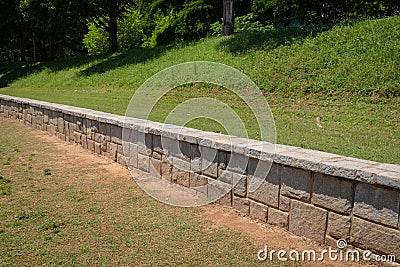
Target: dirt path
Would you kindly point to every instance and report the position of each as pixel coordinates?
(117, 177)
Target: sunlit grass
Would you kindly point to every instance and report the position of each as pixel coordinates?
(349, 75)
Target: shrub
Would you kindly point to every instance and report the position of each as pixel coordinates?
(246, 23)
(95, 40)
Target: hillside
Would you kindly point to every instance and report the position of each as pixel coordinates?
(348, 74)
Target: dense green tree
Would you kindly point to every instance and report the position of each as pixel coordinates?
(105, 14)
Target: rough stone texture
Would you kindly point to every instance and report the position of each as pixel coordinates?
(241, 204)
(332, 193)
(116, 134)
(236, 181)
(237, 163)
(166, 168)
(155, 167)
(180, 177)
(97, 148)
(217, 190)
(338, 226)
(143, 162)
(222, 160)
(284, 203)
(226, 200)
(113, 151)
(184, 149)
(197, 180)
(132, 160)
(307, 220)
(91, 146)
(157, 145)
(267, 177)
(258, 211)
(156, 155)
(278, 218)
(377, 238)
(195, 158)
(209, 162)
(144, 143)
(377, 204)
(296, 183)
(121, 160)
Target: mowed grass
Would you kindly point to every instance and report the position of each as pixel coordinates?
(349, 75)
(76, 211)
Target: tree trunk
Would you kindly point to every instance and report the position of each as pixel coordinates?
(113, 28)
(22, 46)
(228, 24)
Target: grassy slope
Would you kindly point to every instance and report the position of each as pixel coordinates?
(344, 75)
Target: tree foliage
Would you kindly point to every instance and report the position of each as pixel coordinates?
(49, 29)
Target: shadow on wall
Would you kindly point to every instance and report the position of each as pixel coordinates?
(268, 40)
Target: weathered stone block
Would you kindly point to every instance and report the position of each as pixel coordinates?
(296, 183)
(209, 162)
(225, 200)
(133, 156)
(377, 204)
(236, 181)
(180, 176)
(156, 155)
(278, 218)
(332, 193)
(113, 151)
(144, 162)
(60, 124)
(222, 159)
(181, 164)
(60, 136)
(90, 145)
(195, 158)
(121, 160)
(155, 167)
(104, 147)
(97, 148)
(105, 129)
(166, 169)
(84, 141)
(258, 211)
(97, 137)
(237, 162)
(116, 134)
(338, 226)
(157, 145)
(184, 150)
(284, 203)
(241, 204)
(145, 141)
(217, 190)
(307, 220)
(264, 175)
(377, 238)
(197, 180)
(78, 138)
(198, 183)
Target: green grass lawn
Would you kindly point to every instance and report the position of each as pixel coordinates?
(349, 75)
(79, 210)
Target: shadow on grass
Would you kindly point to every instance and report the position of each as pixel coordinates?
(135, 56)
(269, 40)
(10, 72)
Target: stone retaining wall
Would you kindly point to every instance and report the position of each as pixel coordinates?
(318, 195)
